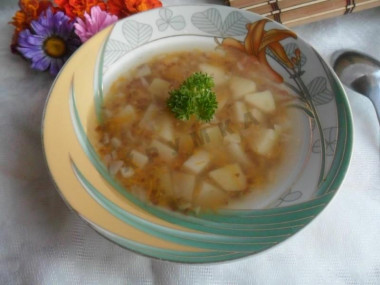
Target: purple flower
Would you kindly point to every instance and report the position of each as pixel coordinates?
(49, 42)
(93, 23)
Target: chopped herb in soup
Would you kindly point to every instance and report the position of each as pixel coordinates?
(192, 164)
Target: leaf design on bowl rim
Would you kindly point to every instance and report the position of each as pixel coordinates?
(210, 21)
(319, 92)
(136, 33)
(330, 136)
(166, 19)
(114, 50)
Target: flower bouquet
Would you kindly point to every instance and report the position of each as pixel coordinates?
(48, 32)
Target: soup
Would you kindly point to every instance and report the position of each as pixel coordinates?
(193, 165)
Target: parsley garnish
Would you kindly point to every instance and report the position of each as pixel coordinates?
(194, 97)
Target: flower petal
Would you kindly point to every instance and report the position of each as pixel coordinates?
(36, 40)
(23, 37)
(230, 42)
(280, 52)
(47, 20)
(40, 29)
(276, 35)
(254, 36)
(41, 64)
(55, 66)
(31, 53)
(93, 23)
(64, 27)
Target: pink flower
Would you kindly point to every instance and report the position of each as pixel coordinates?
(93, 23)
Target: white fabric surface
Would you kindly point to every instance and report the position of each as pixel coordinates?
(43, 242)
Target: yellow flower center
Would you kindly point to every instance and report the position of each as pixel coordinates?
(55, 47)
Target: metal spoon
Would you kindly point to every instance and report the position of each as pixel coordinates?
(361, 73)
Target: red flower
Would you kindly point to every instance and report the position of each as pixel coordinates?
(124, 8)
(77, 8)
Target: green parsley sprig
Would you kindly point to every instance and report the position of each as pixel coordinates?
(194, 97)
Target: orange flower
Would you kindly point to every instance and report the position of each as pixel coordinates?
(258, 40)
(118, 8)
(77, 8)
(135, 6)
(29, 11)
(124, 8)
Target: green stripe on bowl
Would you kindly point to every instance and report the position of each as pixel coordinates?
(98, 82)
(171, 255)
(343, 153)
(200, 240)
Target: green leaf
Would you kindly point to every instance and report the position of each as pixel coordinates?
(194, 97)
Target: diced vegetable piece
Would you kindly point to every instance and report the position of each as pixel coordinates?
(183, 185)
(116, 143)
(212, 136)
(165, 180)
(239, 111)
(197, 162)
(263, 143)
(127, 172)
(105, 139)
(139, 159)
(144, 82)
(128, 111)
(115, 167)
(257, 115)
(164, 151)
(165, 130)
(217, 73)
(159, 88)
(222, 95)
(241, 86)
(237, 152)
(232, 138)
(127, 114)
(114, 155)
(147, 119)
(143, 71)
(229, 177)
(210, 194)
(262, 100)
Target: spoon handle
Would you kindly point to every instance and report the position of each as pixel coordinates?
(374, 95)
(369, 85)
(376, 103)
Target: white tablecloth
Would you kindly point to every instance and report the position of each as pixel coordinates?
(43, 242)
